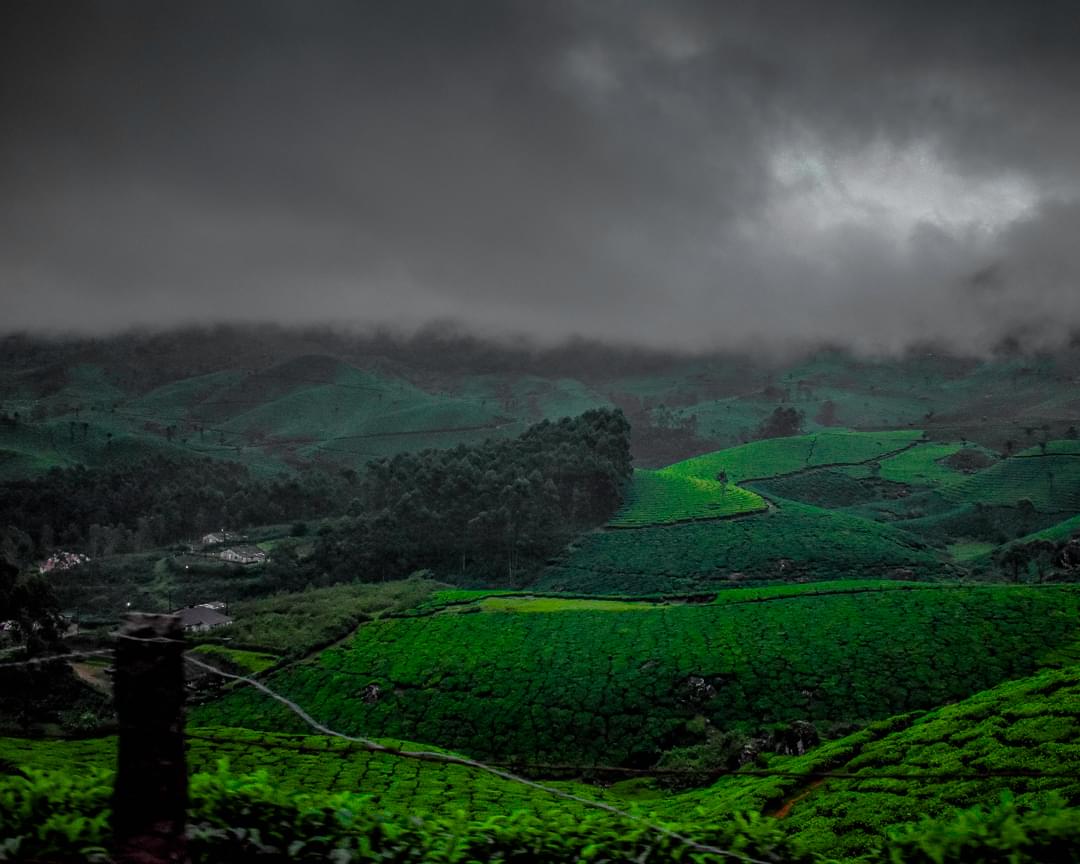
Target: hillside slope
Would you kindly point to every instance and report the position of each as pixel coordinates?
(583, 685)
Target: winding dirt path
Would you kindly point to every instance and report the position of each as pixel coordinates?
(785, 808)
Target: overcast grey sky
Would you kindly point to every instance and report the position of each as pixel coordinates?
(680, 174)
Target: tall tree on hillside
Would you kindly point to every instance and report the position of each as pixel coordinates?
(782, 423)
(501, 505)
(27, 602)
(826, 415)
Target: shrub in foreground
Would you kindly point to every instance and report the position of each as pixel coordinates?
(236, 819)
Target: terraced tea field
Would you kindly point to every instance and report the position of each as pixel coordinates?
(776, 456)
(619, 686)
(794, 541)
(1051, 481)
(705, 487)
(1025, 731)
(923, 465)
(1017, 737)
(320, 764)
(661, 497)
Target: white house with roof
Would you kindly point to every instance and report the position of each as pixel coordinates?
(243, 555)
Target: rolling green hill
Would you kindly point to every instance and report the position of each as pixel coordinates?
(705, 487)
(662, 497)
(620, 686)
(925, 465)
(794, 541)
(1017, 738)
(275, 398)
(918, 766)
(1050, 480)
(776, 456)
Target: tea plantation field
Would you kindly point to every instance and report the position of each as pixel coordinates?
(692, 489)
(793, 541)
(775, 456)
(924, 466)
(659, 497)
(931, 763)
(620, 686)
(316, 763)
(1050, 481)
(837, 488)
(904, 768)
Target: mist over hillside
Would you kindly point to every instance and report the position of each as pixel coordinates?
(443, 384)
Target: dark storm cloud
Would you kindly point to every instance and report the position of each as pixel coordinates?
(681, 174)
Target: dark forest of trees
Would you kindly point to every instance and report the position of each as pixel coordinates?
(157, 501)
(27, 605)
(495, 510)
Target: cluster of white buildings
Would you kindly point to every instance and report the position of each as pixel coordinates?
(235, 553)
(62, 561)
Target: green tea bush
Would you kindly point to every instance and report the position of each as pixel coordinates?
(237, 819)
(246, 818)
(1024, 731)
(1004, 833)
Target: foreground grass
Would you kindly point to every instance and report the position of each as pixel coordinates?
(897, 773)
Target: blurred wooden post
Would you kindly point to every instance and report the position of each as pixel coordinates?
(150, 797)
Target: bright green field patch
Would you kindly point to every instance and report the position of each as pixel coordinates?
(692, 489)
(970, 550)
(659, 497)
(249, 661)
(923, 466)
(594, 687)
(456, 596)
(776, 456)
